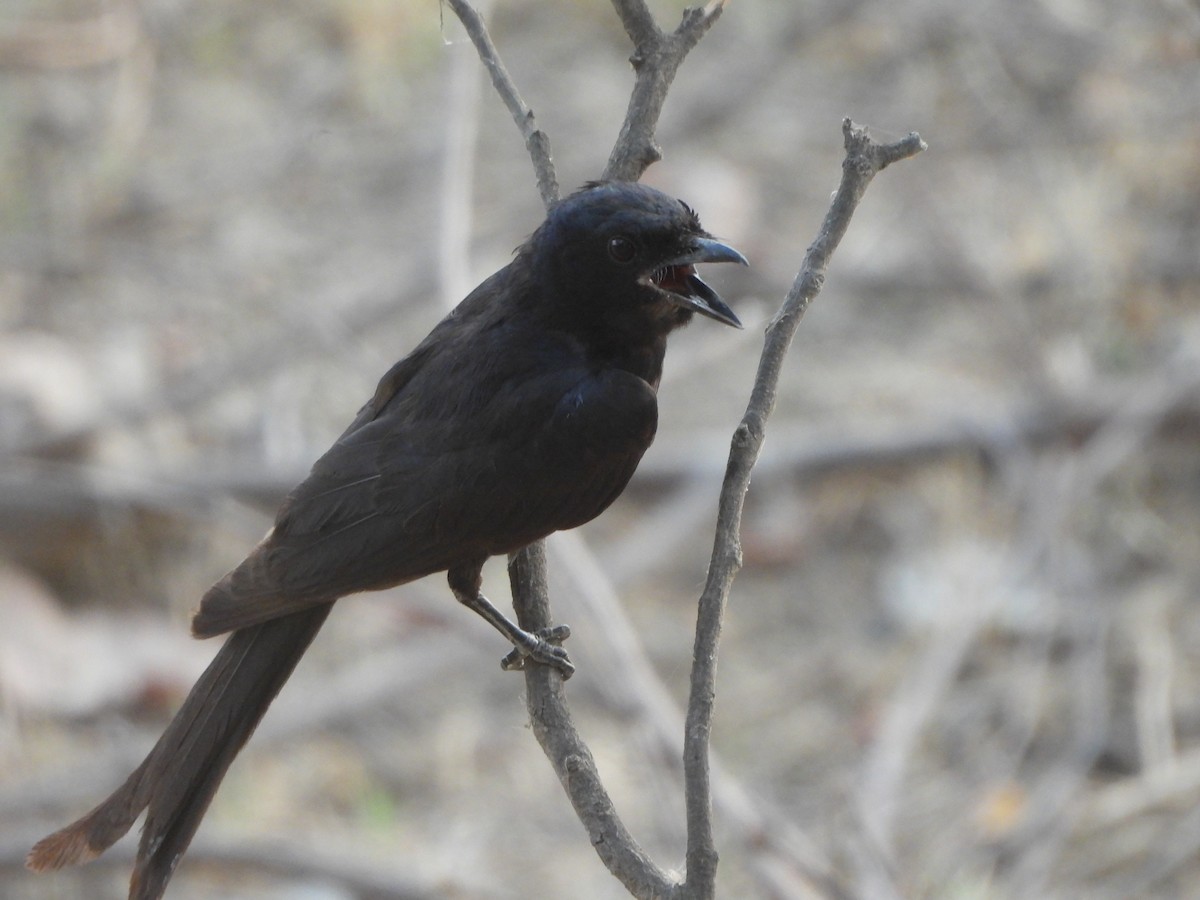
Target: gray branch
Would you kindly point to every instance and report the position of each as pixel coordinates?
(565, 748)
(656, 59)
(536, 141)
(864, 158)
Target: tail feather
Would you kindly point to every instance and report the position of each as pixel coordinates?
(84, 840)
(177, 780)
(249, 596)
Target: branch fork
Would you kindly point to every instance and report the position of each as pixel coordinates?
(656, 58)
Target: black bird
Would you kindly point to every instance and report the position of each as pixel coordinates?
(525, 411)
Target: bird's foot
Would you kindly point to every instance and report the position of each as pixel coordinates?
(542, 647)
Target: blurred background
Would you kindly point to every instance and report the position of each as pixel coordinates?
(963, 657)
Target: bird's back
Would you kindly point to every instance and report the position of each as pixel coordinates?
(495, 431)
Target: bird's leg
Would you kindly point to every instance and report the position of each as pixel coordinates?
(541, 647)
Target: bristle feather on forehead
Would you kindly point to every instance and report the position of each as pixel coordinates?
(610, 205)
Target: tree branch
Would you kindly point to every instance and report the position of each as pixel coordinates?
(536, 141)
(656, 58)
(864, 158)
(562, 744)
(550, 717)
(639, 24)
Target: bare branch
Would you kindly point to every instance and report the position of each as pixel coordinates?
(656, 58)
(572, 761)
(625, 675)
(864, 158)
(536, 140)
(548, 712)
(638, 22)
(461, 113)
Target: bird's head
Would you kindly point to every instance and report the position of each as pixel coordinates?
(623, 256)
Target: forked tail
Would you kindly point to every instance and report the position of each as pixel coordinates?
(177, 780)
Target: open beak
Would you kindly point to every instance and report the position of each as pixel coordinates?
(678, 279)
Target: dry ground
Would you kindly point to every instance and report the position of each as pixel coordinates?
(963, 658)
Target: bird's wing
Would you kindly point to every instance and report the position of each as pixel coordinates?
(397, 498)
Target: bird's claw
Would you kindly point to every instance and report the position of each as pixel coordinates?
(542, 648)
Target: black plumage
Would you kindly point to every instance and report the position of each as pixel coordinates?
(525, 411)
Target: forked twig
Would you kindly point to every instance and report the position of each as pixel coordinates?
(656, 58)
(536, 140)
(864, 159)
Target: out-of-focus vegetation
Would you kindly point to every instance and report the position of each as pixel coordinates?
(964, 654)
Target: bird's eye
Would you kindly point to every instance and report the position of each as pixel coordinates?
(622, 249)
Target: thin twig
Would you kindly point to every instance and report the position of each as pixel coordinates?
(864, 158)
(626, 676)
(569, 755)
(656, 58)
(549, 714)
(463, 89)
(536, 140)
